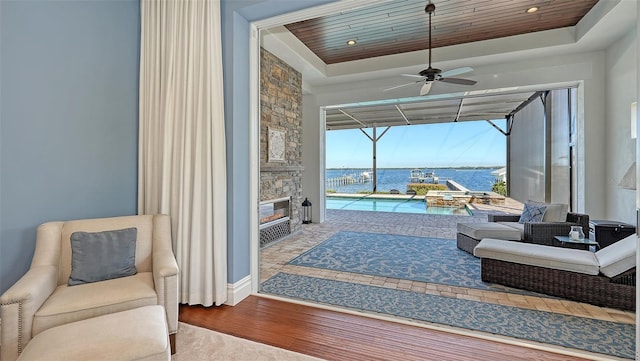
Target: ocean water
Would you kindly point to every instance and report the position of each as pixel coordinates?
(479, 179)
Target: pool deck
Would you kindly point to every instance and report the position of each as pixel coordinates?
(275, 257)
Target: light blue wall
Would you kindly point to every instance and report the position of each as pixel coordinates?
(68, 135)
(69, 110)
(237, 141)
(236, 18)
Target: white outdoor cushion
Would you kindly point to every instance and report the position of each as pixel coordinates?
(556, 213)
(488, 230)
(516, 225)
(566, 259)
(618, 257)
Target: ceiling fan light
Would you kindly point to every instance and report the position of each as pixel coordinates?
(532, 9)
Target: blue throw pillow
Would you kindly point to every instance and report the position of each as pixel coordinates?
(102, 256)
(532, 212)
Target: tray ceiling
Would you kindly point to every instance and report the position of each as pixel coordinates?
(402, 26)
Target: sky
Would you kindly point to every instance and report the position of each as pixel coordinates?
(451, 144)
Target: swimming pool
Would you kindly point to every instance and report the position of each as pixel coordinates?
(394, 205)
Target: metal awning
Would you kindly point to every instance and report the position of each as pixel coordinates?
(452, 109)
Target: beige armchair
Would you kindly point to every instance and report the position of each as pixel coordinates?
(42, 298)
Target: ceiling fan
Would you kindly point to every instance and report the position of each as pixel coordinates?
(431, 75)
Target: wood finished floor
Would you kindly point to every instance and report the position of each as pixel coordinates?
(341, 336)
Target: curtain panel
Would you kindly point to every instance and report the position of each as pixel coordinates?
(181, 165)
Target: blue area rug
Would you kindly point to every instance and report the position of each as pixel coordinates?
(608, 338)
(432, 260)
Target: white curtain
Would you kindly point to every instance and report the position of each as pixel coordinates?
(181, 142)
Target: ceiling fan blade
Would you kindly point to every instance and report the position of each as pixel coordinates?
(456, 71)
(458, 81)
(400, 86)
(412, 75)
(425, 88)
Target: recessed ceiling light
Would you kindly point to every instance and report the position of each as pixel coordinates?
(532, 10)
(351, 42)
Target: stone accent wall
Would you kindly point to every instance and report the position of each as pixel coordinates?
(281, 109)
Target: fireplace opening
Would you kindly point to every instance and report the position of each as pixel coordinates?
(274, 220)
(273, 210)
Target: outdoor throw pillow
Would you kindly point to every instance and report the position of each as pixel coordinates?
(532, 212)
(102, 256)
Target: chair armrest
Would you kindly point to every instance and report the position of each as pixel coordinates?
(165, 270)
(165, 278)
(19, 304)
(164, 263)
(503, 217)
(543, 232)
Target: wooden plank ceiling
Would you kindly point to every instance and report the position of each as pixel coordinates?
(402, 25)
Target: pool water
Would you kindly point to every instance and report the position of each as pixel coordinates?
(390, 205)
(449, 211)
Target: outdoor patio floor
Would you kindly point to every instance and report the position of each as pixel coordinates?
(274, 257)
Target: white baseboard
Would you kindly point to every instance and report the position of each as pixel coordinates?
(238, 291)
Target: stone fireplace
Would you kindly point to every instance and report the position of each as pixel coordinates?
(280, 149)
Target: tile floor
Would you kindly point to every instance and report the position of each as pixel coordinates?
(274, 257)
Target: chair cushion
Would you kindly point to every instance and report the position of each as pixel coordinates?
(73, 303)
(618, 257)
(488, 230)
(515, 225)
(532, 212)
(556, 213)
(566, 259)
(99, 256)
(138, 334)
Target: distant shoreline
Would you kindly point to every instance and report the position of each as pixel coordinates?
(460, 167)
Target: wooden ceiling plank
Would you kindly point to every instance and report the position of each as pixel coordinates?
(500, 10)
(382, 33)
(335, 55)
(398, 27)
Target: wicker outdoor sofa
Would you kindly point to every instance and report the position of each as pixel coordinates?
(502, 226)
(543, 232)
(605, 278)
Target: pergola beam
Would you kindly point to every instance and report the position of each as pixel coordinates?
(354, 118)
(403, 115)
(497, 127)
(374, 140)
(510, 117)
(459, 110)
